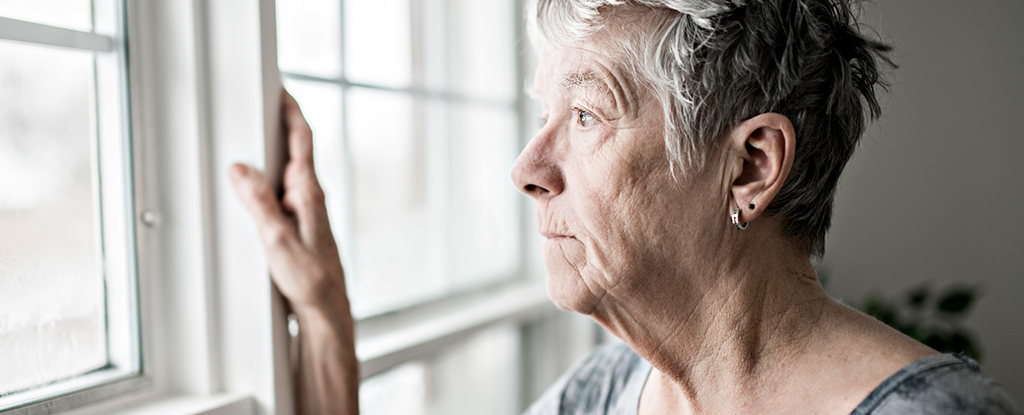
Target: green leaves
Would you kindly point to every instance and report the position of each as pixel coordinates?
(956, 301)
(917, 297)
(933, 319)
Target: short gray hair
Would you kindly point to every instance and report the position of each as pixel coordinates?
(715, 63)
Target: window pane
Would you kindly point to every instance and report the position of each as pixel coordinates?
(482, 49)
(399, 391)
(435, 212)
(398, 243)
(468, 48)
(51, 288)
(309, 37)
(71, 14)
(378, 48)
(477, 376)
(483, 214)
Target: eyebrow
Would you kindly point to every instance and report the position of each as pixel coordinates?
(594, 81)
(577, 79)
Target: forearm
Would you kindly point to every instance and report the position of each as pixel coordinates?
(327, 375)
(304, 265)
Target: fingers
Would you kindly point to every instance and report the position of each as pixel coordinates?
(300, 136)
(303, 195)
(259, 199)
(305, 199)
(301, 275)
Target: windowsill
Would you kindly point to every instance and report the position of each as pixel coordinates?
(221, 404)
(386, 341)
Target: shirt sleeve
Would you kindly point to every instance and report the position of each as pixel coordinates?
(594, 386)
(955, 386)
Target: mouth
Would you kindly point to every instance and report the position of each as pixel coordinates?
(556, 237)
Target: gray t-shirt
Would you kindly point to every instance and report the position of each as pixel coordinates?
(610, 380)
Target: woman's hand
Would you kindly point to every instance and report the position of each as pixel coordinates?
(301, 250)
(305, 266)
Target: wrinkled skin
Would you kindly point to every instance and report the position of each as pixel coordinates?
(614, 218)
(734, 322)
(725, 316)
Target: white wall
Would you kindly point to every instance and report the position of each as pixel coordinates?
(936, 190)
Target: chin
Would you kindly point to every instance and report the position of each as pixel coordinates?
(565, 284)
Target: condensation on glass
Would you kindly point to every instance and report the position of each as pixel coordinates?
(416, 128)
(68, 315)
(52, 323)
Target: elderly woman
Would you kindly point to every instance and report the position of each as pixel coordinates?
(684, 179)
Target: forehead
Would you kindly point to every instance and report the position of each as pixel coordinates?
(573, 67)
(587, 69)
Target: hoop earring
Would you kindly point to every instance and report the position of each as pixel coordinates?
(736, 220)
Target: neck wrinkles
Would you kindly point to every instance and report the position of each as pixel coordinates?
(727, 338)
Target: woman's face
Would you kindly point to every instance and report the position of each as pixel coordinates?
(616, 223)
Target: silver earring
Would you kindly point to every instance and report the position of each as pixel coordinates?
(736, 220)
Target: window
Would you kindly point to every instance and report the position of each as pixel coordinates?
(135, 257)
(414, 111)
(417, 116)
(68, 303)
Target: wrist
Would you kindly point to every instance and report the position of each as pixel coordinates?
(330, 319)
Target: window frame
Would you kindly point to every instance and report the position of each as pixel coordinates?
(196, 302)
(111, 137)
(203, 93)
(512, 280)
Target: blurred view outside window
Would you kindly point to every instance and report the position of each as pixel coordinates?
(413, 106)
(55, 195)
(476, 376)
(413, 110)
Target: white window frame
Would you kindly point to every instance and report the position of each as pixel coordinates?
(111, 144)
(204, 94)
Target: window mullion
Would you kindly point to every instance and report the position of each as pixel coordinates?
(22, 31)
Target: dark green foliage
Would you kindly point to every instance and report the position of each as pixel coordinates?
(956, 301)
(930, 318)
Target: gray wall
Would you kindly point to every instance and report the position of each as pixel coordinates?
(936, 190)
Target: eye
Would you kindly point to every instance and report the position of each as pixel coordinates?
(585, 118)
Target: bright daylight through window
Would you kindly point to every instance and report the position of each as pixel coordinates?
(413, 109)
(67, 275)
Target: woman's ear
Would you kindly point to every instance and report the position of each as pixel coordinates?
(762, 149)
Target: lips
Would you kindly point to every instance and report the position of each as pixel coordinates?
(552, 228)
(556, 236)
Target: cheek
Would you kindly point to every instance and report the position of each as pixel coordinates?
(637, 220)
(625, 206)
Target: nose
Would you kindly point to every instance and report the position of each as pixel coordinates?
(536, 172)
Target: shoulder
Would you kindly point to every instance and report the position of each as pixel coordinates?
(606, 380)
(938, 385)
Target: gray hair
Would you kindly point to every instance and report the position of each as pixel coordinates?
(715, 63)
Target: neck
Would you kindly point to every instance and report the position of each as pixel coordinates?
(727, 332)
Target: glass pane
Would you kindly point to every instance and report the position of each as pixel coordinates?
(483, 214)
(399, 249)
(477, 376)
(378, 48)
(468, 47)
(399, 391)
(309, 37)
(51, 286)
(482, 48)
(70, 14)
(434, 209)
